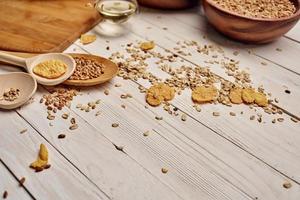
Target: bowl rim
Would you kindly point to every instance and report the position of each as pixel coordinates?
(295, 15)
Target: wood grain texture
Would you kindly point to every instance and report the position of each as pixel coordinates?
(118, 175)
(190, 130)
(286, 59)
(11, 185)
(207, 157)
(274, 79)
(61, 181)
(294, 34)
(233, 124)
(43, 26)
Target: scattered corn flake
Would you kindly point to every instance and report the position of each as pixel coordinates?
(87, 39)
(158, 93)
(248, 95)
(235, 96)
(42, 159)
(204, 94)
(145, 46)
(261, 99)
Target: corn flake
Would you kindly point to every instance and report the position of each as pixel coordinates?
(248, 95)
(204, 94)
(158, 93)
(42, 159)
(260, 99)
(145, 46)
(50, 69)
(235, 96)
(87, 39)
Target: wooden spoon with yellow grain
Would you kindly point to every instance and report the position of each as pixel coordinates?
(110, 69)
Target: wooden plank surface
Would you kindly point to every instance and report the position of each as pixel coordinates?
(43, 26)
(206, 157)
(9, 184)
(61, 181)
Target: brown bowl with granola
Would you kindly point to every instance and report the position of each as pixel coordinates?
(249, 21)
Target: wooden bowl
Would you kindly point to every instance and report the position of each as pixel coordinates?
(169, 4)
(247, 29)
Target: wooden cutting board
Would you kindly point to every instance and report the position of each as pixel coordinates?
(44, 25)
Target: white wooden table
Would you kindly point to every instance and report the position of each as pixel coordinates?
(207, 157)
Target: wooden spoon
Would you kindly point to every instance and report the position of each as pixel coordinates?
(18, 80)
(110, 69)
(30, 63)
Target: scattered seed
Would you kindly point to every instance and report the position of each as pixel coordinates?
(276, 100)
(280, 119)
(41, 100)
(158, 118)
(5, 194)
(287, 185)
(274, 121)
(118, 85)
(287, 91)
(73, 120)
(198, 108)
(98, 101)
(22, 181)
(73, 127)
(51, 117)
(183, 117)
(115, 125)
(61, 136)
(252, 117)
(123, 106)
(23, 131)
(232, 114)
(165, 28)
(146, 133)
(259, 119)
(106, 92)
(65, 116)
(278, 49)
(216, 114)
(164, 170)
(123, 96)
(264, 63)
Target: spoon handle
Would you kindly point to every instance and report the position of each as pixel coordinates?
(18, 61)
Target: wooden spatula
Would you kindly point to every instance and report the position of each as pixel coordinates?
(110, 69)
